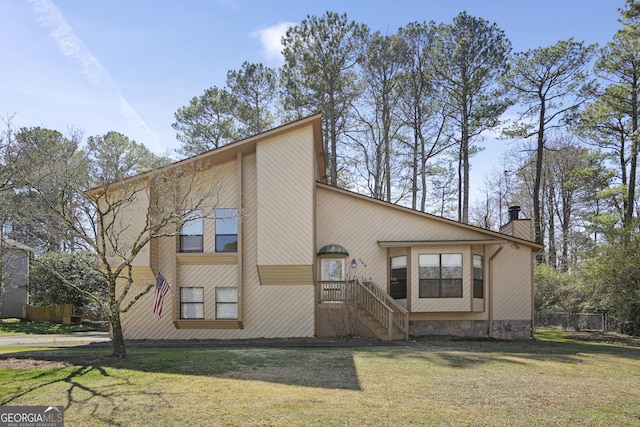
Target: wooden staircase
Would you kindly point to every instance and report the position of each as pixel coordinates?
(379, 330)
(379, 313)
(362, 306)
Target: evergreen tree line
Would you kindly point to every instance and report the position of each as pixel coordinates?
(403, 115)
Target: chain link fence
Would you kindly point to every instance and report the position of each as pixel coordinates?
(577, 321)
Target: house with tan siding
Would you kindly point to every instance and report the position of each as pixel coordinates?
(287, 255)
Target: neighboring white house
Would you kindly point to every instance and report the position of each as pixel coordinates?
(14, 278)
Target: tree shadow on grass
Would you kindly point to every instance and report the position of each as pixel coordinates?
(469, 353)
(318, 368)
(73, 378)
(89, 376)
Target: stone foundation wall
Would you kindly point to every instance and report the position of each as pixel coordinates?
(502, 329)
(512, 329)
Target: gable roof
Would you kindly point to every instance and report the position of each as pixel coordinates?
(245, 146)
(248, 145)
(491, 236)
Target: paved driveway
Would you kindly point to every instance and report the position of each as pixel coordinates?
(53, 340)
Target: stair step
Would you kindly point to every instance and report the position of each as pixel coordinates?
(379, 330)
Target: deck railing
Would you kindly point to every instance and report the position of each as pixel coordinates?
(383, 308)
(368, 297)
(332, 292)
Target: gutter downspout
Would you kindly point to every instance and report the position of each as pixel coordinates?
(534, 254)
(491, 288)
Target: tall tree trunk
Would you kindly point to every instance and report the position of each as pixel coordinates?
(537, 210)
(465, 188)
(553, 257)
(623, 178)
(459, 184)
(465, 162)
(333, 161)
(415, 161)
(333, 152)
(423, 175)
(386, 128)
(566, 234)
(117, 336)
(1, 273)
(635, 142)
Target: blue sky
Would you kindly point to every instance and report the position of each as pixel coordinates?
(128, 65)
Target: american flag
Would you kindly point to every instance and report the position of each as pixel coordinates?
(162, 287)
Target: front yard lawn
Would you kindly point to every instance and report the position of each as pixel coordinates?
(554, 380)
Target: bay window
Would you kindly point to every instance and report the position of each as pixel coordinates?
(478, 277)
(440, 275)
(398, 285)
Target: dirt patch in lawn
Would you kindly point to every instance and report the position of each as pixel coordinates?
(15, 363)
(49, 359)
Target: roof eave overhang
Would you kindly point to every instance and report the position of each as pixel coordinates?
(412, 243)
(494, 235)
(229, 152)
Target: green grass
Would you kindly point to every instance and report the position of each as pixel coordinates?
(26, 327)
(554, 380)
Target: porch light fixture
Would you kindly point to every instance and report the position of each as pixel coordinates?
(354, 264)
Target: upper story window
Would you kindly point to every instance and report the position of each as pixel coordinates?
(440, 275)
(398, 285)
(227, 230)
(478, 277)
(191, 232)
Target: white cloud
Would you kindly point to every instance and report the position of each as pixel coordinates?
(71, 45)
(270, 39)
